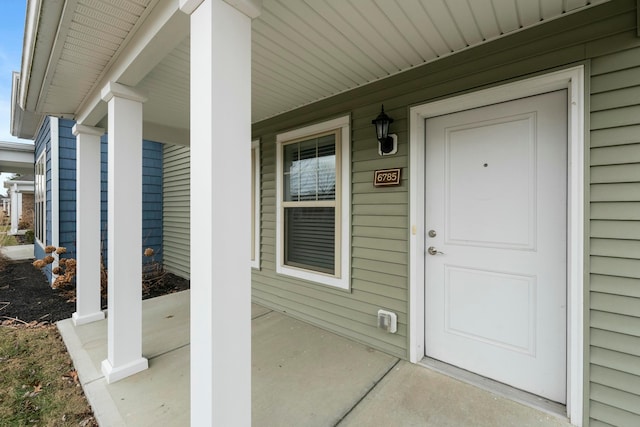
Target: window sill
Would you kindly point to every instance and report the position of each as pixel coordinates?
(325, 279)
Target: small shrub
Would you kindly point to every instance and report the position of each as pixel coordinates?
(65, 270)
(24, 224)
(39, 264)
(29, 237)
(153, 273)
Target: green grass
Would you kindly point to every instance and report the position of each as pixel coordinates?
(38, 383)
(5, 239)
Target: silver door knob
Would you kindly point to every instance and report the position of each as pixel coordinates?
(434, 251)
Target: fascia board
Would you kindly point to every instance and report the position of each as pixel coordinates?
(19, 186)
(16, 146)
(23, 124)
(28, 48)
(16, 159)
(41, 27)
(16, 113)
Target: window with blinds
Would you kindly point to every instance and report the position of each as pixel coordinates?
(313, 215)
(310, 176)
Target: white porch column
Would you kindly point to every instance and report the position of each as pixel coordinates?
(15, 206)
(87, 224)
(124, 318)
(220, 211)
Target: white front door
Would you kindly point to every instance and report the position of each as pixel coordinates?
(496, 182)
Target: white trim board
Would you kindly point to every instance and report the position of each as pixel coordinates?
(255, 147)
(573, 80)
(54, 128)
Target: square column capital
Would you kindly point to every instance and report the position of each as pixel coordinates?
(117, 90)
(78, 129)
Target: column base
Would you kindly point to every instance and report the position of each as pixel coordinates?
(87, 318)
(113, 374)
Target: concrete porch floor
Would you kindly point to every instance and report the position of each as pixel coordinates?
(301, 376)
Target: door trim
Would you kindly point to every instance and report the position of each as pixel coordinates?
(573, 80)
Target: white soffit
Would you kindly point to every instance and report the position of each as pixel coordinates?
(91, 35)
(307, 50)
(167, 87)
(302, 50)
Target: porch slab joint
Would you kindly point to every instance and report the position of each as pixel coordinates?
(364, 396)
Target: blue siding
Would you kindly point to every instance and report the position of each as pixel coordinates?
(151, 191)
(103, 195)
(152, 199)
(67, 187)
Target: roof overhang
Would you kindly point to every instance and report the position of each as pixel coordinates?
(302, 52)
(24, 124)
(19, 186)
(16, 157)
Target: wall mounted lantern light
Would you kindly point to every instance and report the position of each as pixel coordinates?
(387, 143)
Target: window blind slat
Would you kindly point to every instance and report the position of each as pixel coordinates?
(310, 238)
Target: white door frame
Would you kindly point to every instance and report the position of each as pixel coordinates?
(573, 80)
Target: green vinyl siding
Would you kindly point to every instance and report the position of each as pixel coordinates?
(176, 196)
(615, 238)
(603, 39)
(351, 314)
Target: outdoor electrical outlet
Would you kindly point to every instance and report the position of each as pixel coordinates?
(387, 321)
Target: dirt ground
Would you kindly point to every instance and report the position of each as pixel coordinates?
(25, 294)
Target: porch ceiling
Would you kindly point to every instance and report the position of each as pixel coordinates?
(302, 50)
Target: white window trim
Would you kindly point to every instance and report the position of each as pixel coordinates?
(343, 279)
(40, 198)
(256, 202)
(573, 80)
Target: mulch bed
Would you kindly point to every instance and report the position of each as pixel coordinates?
(26, 296)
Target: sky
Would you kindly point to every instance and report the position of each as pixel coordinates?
(11, 34)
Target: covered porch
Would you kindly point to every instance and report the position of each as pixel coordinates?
(166, 76)
(301, 375)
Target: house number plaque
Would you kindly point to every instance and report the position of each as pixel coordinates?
(386, 177)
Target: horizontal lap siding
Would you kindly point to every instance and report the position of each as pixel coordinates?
(378, 249)
(175, 215)
(152, 164)
(104, 198)
(379, 230)
(67, 187)
(605, 35)
(615, 239)
(151, 194)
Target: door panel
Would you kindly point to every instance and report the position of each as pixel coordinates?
(472, 311)
(501, 207)
(496, 279)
